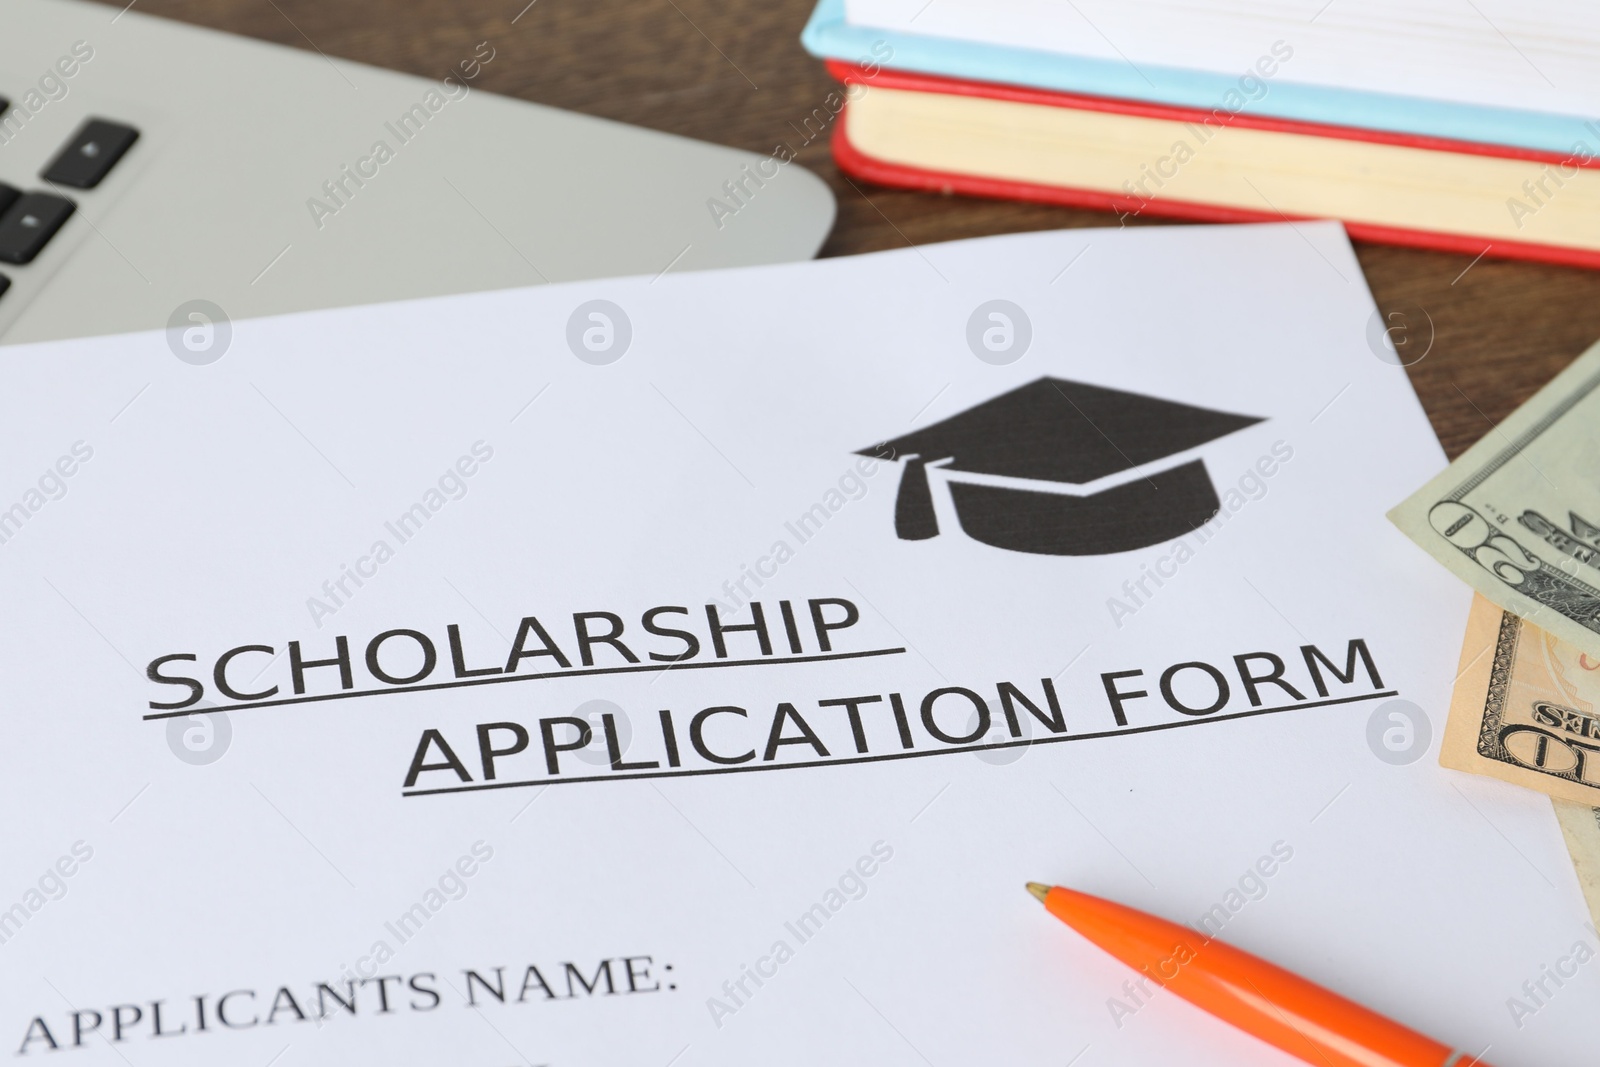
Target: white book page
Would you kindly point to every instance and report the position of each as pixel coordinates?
(760, 882)
(1538, 55)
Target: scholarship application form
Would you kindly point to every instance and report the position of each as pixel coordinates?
(691, 670)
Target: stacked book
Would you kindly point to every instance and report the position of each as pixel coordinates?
(1465, 127)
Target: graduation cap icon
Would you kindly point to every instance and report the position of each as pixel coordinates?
(1094, 456)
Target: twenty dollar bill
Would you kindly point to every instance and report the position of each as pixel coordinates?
(1517, 516)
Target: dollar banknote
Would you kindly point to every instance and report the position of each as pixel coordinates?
(1526, 708)
(1517, 516)
(1580, 825)
(1525, 711)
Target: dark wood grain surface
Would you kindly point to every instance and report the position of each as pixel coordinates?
(734, 72)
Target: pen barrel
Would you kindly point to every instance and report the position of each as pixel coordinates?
(1266, 1001)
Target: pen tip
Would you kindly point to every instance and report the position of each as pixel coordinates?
(1039, 890)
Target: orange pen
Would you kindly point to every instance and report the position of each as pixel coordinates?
(1282, 1009)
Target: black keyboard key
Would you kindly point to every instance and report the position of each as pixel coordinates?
(8, 196)
(5, 283)
(91, 154)
(4, 104)
(29, 224)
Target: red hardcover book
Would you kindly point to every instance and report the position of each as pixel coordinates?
(859, 163)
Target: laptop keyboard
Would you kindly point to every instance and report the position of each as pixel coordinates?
(91, 154)
(28, 220)
(29, 223)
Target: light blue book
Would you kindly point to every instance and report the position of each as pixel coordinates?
(828, 36)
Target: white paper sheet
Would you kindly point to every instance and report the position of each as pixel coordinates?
(206, 868)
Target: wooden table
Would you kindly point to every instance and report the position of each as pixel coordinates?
(734, 72)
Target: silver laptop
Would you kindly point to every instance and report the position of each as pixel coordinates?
(146, 165)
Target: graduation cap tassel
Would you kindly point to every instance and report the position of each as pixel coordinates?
(914, 518)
